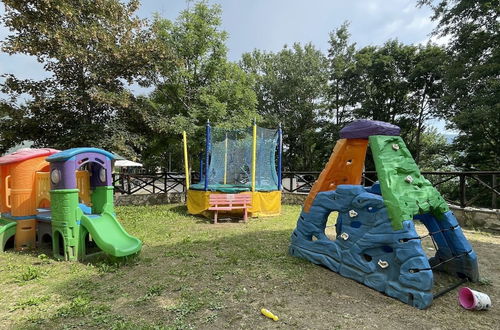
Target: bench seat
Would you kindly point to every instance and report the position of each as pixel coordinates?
(229, 202)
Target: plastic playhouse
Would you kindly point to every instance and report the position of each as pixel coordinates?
(238, 162)
(376, 242)
(64, 199)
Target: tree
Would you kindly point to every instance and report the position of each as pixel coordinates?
(426, 89)
(435, 152)
(291, 89)
(383, 76)
(400, 84)
(343, 82)
(471, 100)
(91, 49)
(200, 84)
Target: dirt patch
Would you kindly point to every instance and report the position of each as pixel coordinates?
(192, 274)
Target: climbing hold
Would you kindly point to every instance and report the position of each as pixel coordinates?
(353, 213)
(395, 146)
(383, 264)
(268, 314)
(409, 179)
(344, 236)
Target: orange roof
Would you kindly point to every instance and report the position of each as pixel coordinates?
(25, 154)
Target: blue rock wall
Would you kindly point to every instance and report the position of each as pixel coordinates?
(452, 246)
(367, 248)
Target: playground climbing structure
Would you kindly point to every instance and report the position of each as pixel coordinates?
(63, 200)
(376, 242)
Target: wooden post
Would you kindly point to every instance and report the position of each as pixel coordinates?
(462, 190)
(493, 193)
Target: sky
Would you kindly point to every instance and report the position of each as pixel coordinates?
(270, 24)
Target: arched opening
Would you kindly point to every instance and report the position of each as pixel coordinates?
(9, 244)
(45, 168)
(46, 241)
(58, 240)
(90, 174)
(43, 204)
(82, 174)
(42, 187)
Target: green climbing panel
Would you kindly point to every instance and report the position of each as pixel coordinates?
(405, 191)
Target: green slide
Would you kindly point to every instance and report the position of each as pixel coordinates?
(7, 230)
(110, 236)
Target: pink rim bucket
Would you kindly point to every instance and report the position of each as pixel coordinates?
(466, 298)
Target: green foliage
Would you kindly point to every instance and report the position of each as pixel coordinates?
(91, 49)
(200, 84)
(435, 152)
(29, 274)
(152, 291)
(471, 101)
(343, 84)
(396, 83)
(30, 302)
(426, 89)
(291, 89)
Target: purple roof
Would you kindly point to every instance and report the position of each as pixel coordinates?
(362, 129)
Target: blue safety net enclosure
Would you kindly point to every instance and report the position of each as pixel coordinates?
(231, 166)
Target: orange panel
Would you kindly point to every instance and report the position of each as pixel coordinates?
(42, 189)
(22, 182)
(344, 167)
(4, 173)
(25, 234)
(83, 186)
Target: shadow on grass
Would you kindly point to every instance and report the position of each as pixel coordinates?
(223, 282)
(179, 209)
(223, 218)
(179, 285)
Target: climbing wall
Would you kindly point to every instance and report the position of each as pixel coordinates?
(376, 242)
(408, 195)
(367, 248)
(344, 167)
(406, 192)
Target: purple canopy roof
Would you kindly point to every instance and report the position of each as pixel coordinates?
(362, 129)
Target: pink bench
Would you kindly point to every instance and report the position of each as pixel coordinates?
(228, 202)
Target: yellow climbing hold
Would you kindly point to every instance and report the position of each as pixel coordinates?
(268, 314)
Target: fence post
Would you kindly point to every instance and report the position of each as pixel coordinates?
(462, 190)
(493, 194)
(154, 183)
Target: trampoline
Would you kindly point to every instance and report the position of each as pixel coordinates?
(238, 161)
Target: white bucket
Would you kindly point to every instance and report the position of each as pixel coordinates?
(471, 299)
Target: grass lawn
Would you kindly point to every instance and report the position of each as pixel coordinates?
(193, 274)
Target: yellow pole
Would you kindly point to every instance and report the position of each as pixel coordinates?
(225, 161)
(186, 164)
(254, 155)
